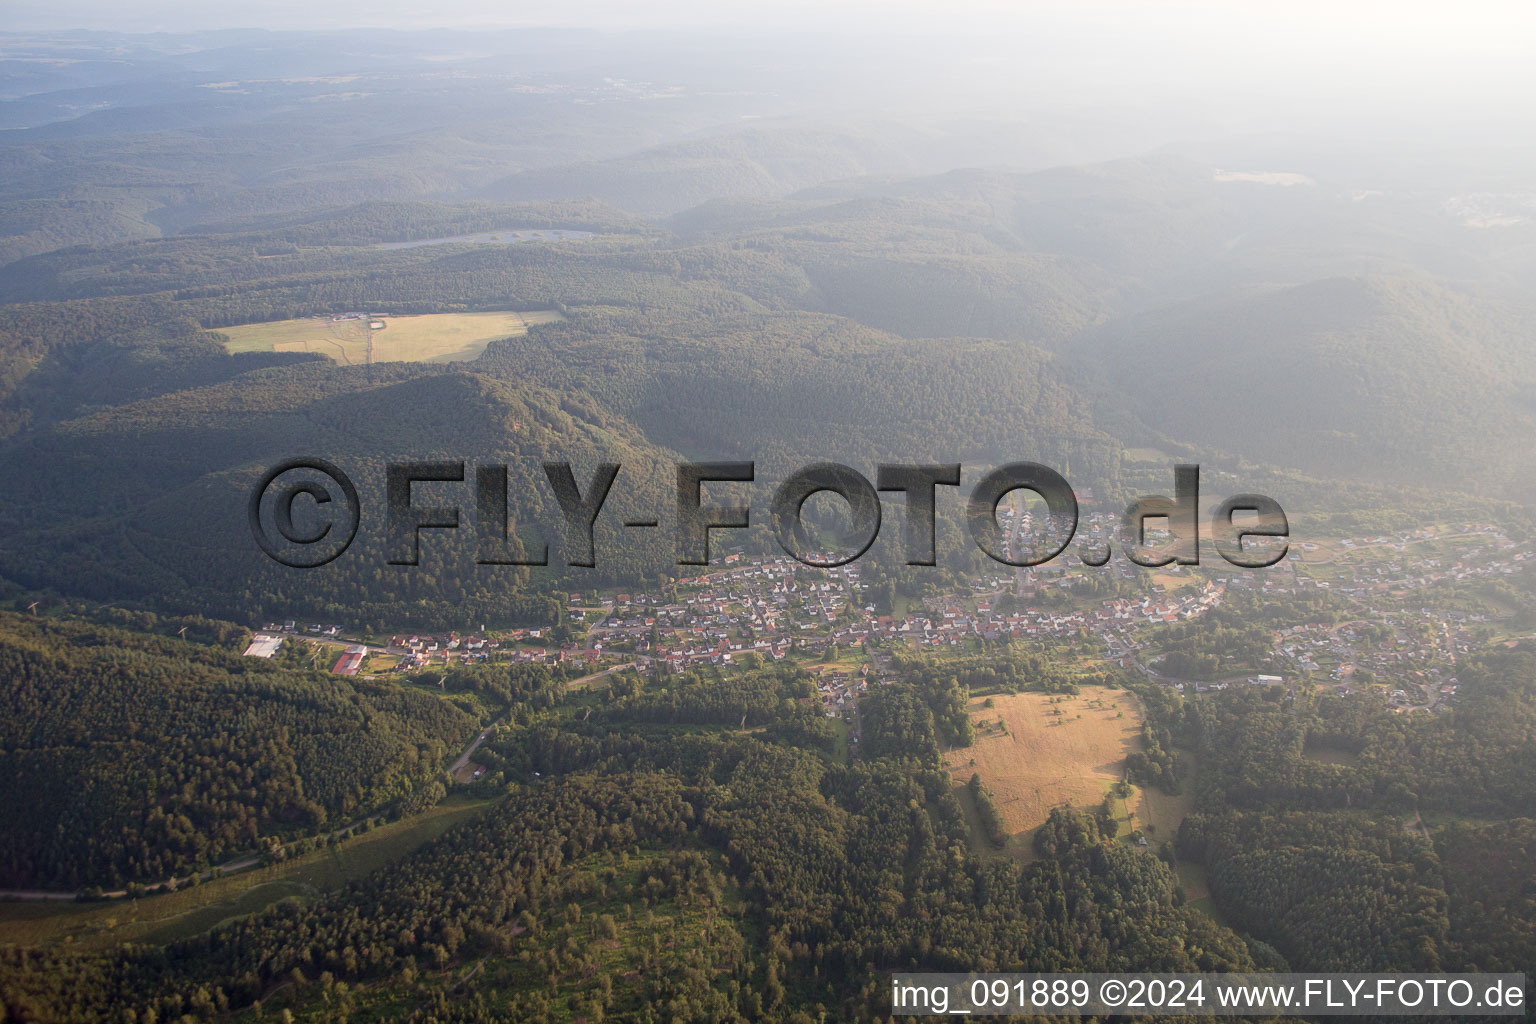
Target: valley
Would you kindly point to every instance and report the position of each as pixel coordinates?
(458, 789)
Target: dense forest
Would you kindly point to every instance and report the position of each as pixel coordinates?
(722, 337)
(134, 758)
(660, 354)
(646, 860)
(725, 266)
(785, 870)
(1328, 859)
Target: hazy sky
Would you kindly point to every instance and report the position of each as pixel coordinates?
(1472, 57)
(1358, 24)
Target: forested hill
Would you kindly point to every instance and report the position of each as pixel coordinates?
(949, 318)
(1420, 378)
(635, 847)
(126, 757)
(662, 352)
(746, 795)
(721, 875)
(758, 162)
(164, 521)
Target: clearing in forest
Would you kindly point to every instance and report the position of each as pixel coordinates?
(1050, 750)
(430, 338)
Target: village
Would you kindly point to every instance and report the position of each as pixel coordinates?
(749, 610)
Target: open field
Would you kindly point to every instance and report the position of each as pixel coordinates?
(1055, 750)
(378, 661)
(1171, 581)
(1157, 813)
(509, 237)
(848, 660)
(1320, 550)
(1331, 755)
(195, 909)
(431, 338)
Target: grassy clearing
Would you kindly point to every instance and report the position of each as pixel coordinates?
(1122, 810)
(432, 338)
(1191, 877)
(1321, 550)
(1158, 814)
(379, 662)
(1331, 755)
(1052, 751)
(194, 910)
(1207, 906)
(849, 660)
(1019, 847)
(1171, 581)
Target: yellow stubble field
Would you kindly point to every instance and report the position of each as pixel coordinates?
(1051, 750)
(428, 338)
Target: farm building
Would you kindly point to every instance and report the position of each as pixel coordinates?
(349, 663)
(263, 646)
